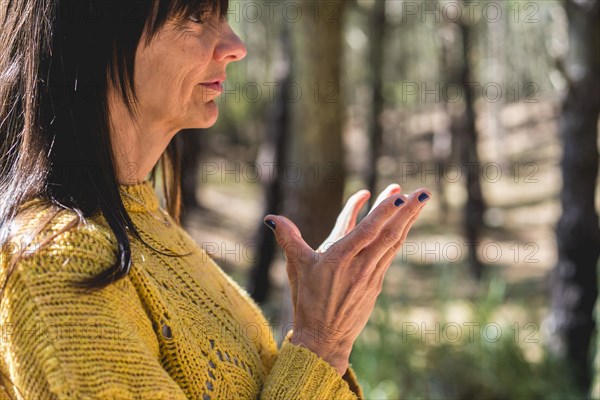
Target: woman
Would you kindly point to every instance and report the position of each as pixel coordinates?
(103, 294)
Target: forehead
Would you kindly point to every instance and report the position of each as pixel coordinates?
(174, 12)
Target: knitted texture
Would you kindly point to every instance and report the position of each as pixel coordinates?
(174, 328)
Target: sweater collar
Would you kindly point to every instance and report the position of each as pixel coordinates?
(139, 197)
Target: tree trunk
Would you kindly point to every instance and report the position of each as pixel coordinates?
(313, 179)
(497, 55)
(378, 26)
(449, 74)
(467, 133)
(574, 279)
(272, 155)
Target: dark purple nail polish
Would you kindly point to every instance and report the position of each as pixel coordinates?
(423, 197)
(270, 223)
(398, 202)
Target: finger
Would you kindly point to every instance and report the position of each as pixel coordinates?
(385, 262)
(296, 249)
(395, 230)
(356, 209)
(366, 231)
(345, 219)
(390, 190)
(289, 238)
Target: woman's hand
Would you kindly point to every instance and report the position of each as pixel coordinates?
(334, 289)
(346, 221)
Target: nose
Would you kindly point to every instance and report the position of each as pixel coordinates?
(231, 48)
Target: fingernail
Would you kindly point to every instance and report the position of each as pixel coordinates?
(270, 223)
(423, 197)
(398, 202)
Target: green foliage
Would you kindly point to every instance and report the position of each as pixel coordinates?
(395, 363)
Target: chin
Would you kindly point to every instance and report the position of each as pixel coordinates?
(209, 117)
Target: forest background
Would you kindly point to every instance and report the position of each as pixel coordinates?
(493, 105)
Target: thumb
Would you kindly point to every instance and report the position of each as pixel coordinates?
(288, 237)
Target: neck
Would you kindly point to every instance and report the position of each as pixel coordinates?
(137, 145)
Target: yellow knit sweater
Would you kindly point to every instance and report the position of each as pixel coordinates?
(175, 328)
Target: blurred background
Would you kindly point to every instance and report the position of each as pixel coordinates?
(493, 106)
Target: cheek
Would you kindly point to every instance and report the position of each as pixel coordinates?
(161, 82)
(169, 75)
(193, 70)
(179, 73)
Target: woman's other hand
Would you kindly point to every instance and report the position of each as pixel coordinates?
(334, 288)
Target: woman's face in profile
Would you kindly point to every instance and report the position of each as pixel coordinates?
(178, 76)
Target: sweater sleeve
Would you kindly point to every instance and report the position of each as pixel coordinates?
(299, 373)
(62, 342)
(295, 372)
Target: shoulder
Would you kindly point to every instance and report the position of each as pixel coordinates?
(47, 238)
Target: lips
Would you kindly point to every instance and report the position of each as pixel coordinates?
(214, 86)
